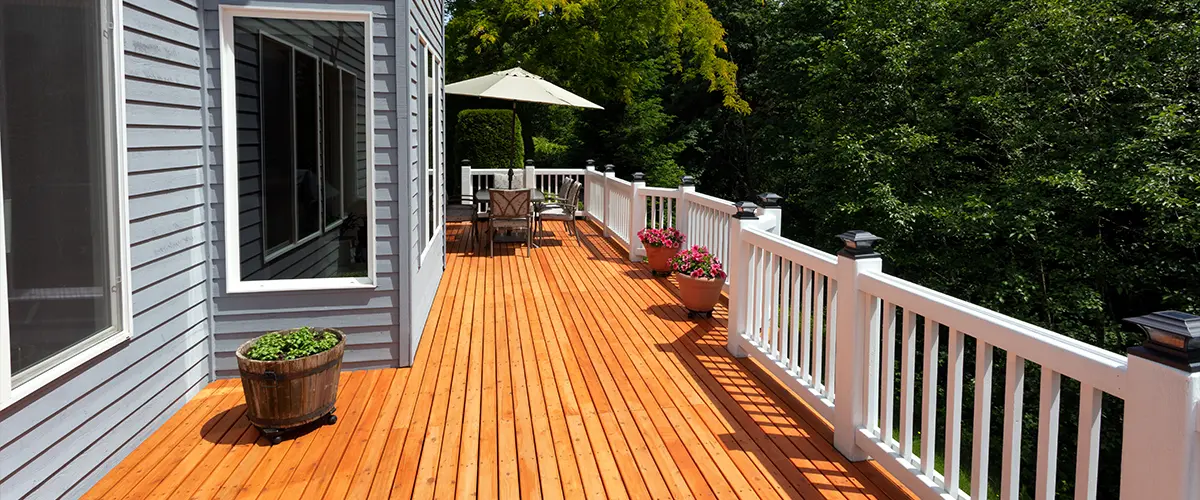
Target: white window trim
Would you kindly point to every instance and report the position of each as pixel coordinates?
(233, 273)
(423, 155)
(99, 343)
(341, 175)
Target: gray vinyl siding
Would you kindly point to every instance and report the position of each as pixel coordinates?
(317, 258)
(425, 18)
(61, 440)
(374, 320)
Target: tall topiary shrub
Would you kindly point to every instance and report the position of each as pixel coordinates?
(485, 136)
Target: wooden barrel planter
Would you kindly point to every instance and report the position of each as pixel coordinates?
(283, 395)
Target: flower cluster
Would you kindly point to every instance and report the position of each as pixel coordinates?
(668, 237)
(697, 262)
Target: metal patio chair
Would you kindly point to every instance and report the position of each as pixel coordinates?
(510, 209)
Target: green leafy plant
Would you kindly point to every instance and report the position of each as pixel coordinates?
(279, 346)
(485, 137)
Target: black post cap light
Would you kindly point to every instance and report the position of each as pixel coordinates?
(639, 177)
(1172, 338)
(609, 167)
(857, 244)
(528, 163)
(687, 180)
(769, 199)
(466, 163)
(746, 210)
(591, 163)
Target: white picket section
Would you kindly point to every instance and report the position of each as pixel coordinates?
(620, 205)
(789, 318)
(708, 223)
(661, 207)
(955, 321)
(549, 180)
(593, 199)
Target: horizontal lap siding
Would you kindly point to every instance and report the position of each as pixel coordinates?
(61, 440)
(424, 17)
(373, 319)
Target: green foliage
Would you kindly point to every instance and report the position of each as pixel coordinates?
(306, 341)
(548, 154)
(485, 136)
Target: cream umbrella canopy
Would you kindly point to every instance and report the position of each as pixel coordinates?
(514, 85)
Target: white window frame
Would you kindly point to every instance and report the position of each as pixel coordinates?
(426, 156)
(341, 173)
(233, 273)
(69, 359)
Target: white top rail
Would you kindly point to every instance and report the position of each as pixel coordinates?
(718, 204)
(659, 192)
(821, 262)
(1078, 360)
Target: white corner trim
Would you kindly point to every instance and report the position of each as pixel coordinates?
(233, 279)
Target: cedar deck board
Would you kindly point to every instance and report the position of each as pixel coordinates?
(570, 374)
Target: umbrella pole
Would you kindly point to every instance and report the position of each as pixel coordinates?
(514, 144)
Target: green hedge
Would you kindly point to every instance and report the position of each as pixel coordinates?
(485, 137)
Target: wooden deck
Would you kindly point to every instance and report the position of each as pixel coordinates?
(569, 374)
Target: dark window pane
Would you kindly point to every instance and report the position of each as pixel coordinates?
(58, 187)
(311, 157)
(308, 185)
(276, 133)
(331, 119)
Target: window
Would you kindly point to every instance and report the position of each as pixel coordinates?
(301, 207)
(62, 260)
(431, 165)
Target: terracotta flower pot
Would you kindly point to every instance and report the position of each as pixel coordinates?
(699, 295)
(660, 258)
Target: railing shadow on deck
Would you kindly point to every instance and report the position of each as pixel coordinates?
(774, 426)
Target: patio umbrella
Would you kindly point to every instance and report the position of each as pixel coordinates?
(514, 85)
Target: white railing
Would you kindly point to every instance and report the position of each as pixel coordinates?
(660, 206)
(896, 310)
(480, 179)
(593, 201)
(549, 180)
(618, 214)
(790, 317)
(707, 223)
(852, 341)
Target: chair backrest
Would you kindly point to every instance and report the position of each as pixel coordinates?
(564, 188)
(571, 200)
(509, 203)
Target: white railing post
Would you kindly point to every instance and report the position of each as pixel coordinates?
(609, 173)
(686, 185)
(589, 167)
(468, 189)
(637, 217)
(738, 268)
(771, 206)
(530, 174)
(854, 316)
(1160, 456)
